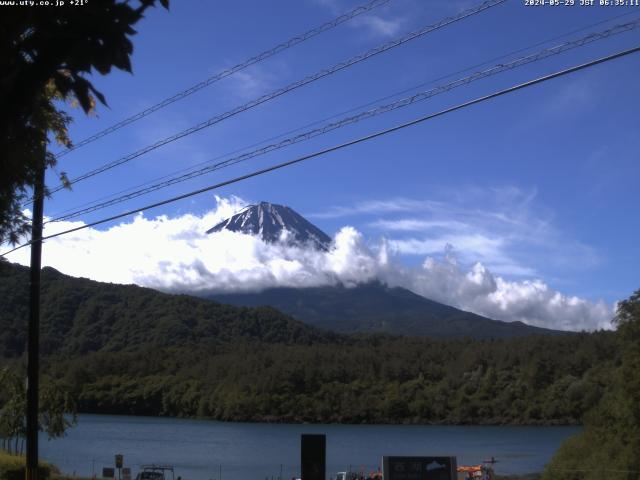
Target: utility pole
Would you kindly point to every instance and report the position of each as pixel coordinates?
(33, 348)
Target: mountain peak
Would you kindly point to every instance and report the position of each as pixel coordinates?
(274, 223)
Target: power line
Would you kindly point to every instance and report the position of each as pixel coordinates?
(404, 102)
(281, 91)
(229, 71)
(342, 145)
(58, 216)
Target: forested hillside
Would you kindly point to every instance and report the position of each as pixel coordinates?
(126, 349)
(79, 316)
(375, 307)
(540, 380)
(609, 445)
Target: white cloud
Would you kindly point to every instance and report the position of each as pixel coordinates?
(175, 254)
(530, 301)
(381, 27)
(248, 84)
(416, 225)
(471, 247)
(377, 207)
(374, 23)
(480, 245)
(505, 228)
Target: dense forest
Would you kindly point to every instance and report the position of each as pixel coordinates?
(609, 445)
(126, 349)
(538, 380)
(79, 316)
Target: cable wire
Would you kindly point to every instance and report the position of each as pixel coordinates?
(404, 102)
(331, 117)
(228, 72)
(281, 91)
(334, 148)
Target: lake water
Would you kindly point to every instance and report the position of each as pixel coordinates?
(201, 450)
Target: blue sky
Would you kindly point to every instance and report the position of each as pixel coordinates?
(540, 184)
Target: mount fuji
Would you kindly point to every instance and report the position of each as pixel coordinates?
(273, 223)
(367, 307)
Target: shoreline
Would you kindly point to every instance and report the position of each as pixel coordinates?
(272, 421)
(11, 465)
(527, 450)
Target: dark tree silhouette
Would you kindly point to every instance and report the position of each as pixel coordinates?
(609, 445)
(46, 53)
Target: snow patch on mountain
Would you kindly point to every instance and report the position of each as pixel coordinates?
(275, 223)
